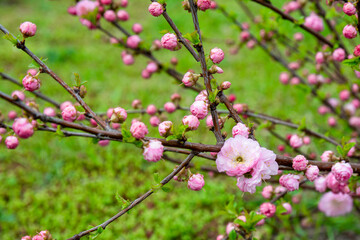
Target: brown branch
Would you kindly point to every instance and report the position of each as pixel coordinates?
(137, 201)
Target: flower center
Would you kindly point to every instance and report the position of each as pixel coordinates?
(239, 159)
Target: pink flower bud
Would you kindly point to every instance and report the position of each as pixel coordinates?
(69, 114)
(190, 79)
(294, 65)
(2, 130)
(288, 209)
(220, 237)
(128, 59)
(298, 37)
(123, 3)
(204, 5)
(28, 29)
(93, 122)
(225, 85)
(299, 163)
(174, 61)
(133, 41)
(279, 190)
(156, 9)
(45, 234)
(26, 238)
(151, 109)
(281, 148)
(106, 2)
(84, 7)
(138, 129)
(165, 128)
(18, 94)
(191, 121)
(342, 171)
(152, 67)
(319, 58)
(72, 10)
(145, 74)
(314, 22)
(290, 182)
(312, 172)
(251, 44)
(23, 128)
(32, 72)
(294, 81)
(154, 121)
(327, 156)
(357, 51)
(349, 31)
(12, 115)
(199, 109)
(210, 122)
(339, 54)
(170, 107)
(123, 15)
(238, 108)
(65, 105)
(110, 15)
(349, 9)
(332, 121)
(216, 55)
(323, 110)
(240, 129)
(153, 151)
(335, 204)
(31, 83)
(11, 142)
(196, 182)
(295, 141)
(137, 28)
(320, 184)
(175, 97)
(306, 140)
(49, 112)
(169, 41)
(344, 95)
(244, 36)
(104, 143)
(136, 103)
(284, 78)
(267, 209)
(119, 115)
(267, 191)
(232, 98)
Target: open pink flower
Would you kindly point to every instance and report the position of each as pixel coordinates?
(153, 151)
(335, 204)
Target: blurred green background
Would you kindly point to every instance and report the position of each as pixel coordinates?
(66, 185)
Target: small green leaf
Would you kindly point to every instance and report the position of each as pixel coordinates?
(193, 37)
(11, 38)
(232, 235)
(59, 132)
(156, 177)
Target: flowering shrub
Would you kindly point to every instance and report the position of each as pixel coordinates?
(324, 69)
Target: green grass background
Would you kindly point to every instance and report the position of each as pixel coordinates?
(66, 185)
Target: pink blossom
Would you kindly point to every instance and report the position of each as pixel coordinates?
(11, 142)
(295, 81)
(312, 172)
(203, 5)
(312, 78)
(32, 72)
(170, 107)
(344, 95)
(202, 96)
(38, 237)
(45, 234)
(137, 28)
(118, 115)
(296, 141)
(290, 182)
(72, 10)
(220, 237)
(238, 108)
(123, 3)
(284, 78)
(26, 238)
(189, 79)
(154, 121)
(49, 111)
(349, 9)
(319, 58)
(332, 183)
(251, 44)
(342, 171)
(244, 36)
(110, 15)
(306, 140)
(225, 85)
(152, 67)
(240, 129)
(191, 121)
(357, 51)
(314, 22)
(232, 98)
(31, 83)
(299, 163)
(133, 41)
(294, 65)
(349, 31)
(65, 105)
(165, 128)
(28, 29)
(104, 143)
(145, 74)
(288, 208)
(87, 24)
(136, 103)
(280, 190)
(175, 97)
(229, 227)
(216, 55)
(69, 114)
(155, 9)
(196, 182)
(323, 110)
(138, 129)
(151, 109)
(291, 6)
(267, 191)
(267, 209)
(199, 109)
(332, 121)
(339, 54)
(2, 130)
(106, 2)
(238, 156)
(169, 41)
(153, 151)
(12, 115)
(23, 128)
(18, 94)
(326, 156)
(210, 122)
(123, 15)
(128, 59)
(335, 204)
(320, 184)
(84, 7)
